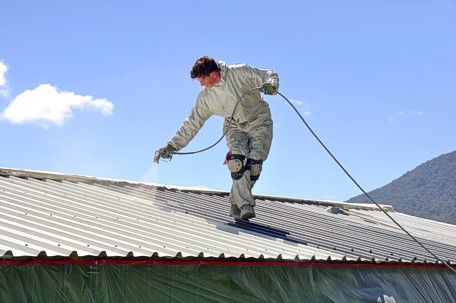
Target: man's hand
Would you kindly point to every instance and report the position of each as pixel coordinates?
(164, 153)
(268, 88)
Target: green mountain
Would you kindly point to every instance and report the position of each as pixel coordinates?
(428, 191)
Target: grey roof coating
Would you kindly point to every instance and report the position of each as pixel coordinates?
(52, 215)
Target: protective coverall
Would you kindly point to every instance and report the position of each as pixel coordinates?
(249, 133)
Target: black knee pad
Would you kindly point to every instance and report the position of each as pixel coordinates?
(236, 166)
(255, 167)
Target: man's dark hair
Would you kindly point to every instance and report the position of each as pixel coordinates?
(203, 67)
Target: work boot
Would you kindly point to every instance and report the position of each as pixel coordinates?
(235, 212)
(247, 212)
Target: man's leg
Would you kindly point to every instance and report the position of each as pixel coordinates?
(240, 195)
(260, 139)
(256, 143)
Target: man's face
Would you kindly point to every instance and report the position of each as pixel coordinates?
(210, 80)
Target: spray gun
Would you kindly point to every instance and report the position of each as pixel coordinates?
(164, 153)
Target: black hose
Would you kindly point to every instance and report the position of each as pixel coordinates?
(338, 163)
(359, 186)
(226, 130)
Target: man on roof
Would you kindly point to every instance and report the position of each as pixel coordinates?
(233, 92)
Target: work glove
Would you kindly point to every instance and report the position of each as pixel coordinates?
(269, 88)
(164, 153)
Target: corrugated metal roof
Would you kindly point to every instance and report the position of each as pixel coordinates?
(59, 215)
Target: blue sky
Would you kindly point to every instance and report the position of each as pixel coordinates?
(95, 87)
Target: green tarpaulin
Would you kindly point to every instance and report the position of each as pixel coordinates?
(187, 282)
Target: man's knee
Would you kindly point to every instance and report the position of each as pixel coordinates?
(255, 167)
(236, 166)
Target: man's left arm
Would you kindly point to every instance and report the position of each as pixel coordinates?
(267, 79)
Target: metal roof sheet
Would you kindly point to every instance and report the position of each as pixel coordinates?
(59, 215)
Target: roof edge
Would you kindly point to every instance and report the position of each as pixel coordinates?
(36, 174)
(26, 173)
(220, 260)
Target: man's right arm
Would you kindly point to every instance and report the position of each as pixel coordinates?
(192, 124)
(188, 130)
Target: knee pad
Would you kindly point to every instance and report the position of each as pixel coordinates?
(236, 166)
(255, 167)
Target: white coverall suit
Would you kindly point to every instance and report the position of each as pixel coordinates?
(250, 132)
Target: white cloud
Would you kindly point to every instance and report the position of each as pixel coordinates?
(405, 114)
(304, 106)
(3, 70)
(410, 113)
(46, 105)
(3, 85)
